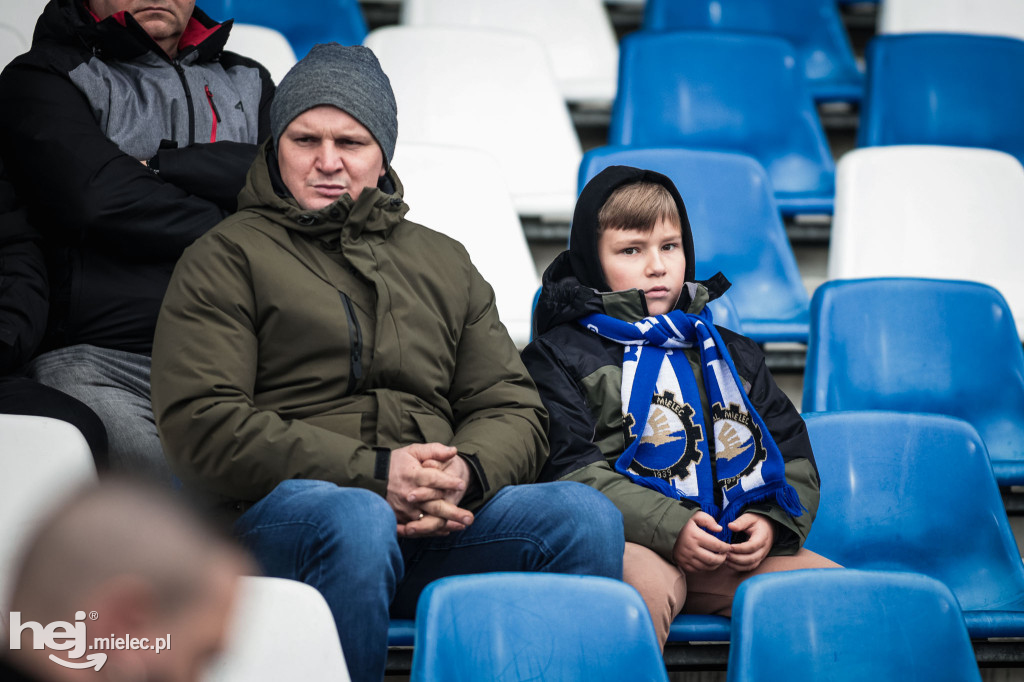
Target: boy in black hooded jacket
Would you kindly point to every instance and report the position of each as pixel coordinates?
(714, 474)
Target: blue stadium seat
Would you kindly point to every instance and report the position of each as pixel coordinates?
(695, 628)
(736, 230)
(305, 22)
(915, 492)
(944, 89)
(845, 626)
(726, 92)
(814, 27)
(401, 632)
(533, 626)
(921, 345)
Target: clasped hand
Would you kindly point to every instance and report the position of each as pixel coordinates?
(426, 482)
(697, 550)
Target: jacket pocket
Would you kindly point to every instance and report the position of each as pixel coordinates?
(432, 428)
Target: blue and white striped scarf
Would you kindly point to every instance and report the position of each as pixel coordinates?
(667, 444)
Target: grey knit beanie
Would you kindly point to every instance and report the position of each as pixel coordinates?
(347, 77)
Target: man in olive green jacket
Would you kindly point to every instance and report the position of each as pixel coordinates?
(339, 376)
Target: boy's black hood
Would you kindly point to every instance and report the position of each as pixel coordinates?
(574, 284)
(583, 238)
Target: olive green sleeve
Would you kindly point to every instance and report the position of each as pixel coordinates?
(499, 418)
(649, 518)
(205, 357)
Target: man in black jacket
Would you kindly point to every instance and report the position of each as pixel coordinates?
(129, 132)
(23, 307)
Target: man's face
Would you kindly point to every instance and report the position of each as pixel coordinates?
(325, 153)
(163, 20)
(653, 262)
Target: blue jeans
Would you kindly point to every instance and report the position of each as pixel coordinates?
(343, 542)
(115, 384)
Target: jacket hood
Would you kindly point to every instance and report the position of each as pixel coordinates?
(574, 284)
(377, 209)
(583, 237)
(70, 22)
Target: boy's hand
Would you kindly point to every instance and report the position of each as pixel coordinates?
(696, 549)
(748, 555)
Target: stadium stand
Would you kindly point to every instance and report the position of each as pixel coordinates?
(537, 626)
(281, 630)
(984, 17)
(41, 460)
(304, 23)
(577, 35)
(845, 626)
(926, 211)
(736, 230)
(917, 345)
(726, 92)
(483, 220)
(813, 27)
(944, 89)
(458, 86)
(265, 45)
(915, 492)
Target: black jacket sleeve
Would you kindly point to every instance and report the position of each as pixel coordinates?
(63, 162)
(214, 171)
(23, 286)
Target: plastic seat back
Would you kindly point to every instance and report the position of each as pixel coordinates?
(42, 460)
(726, 92)
(944, 89)
(533, 626)
(736, 230)
(12, 44)
(577, 35)
(267, 46)
(814, 27)
(915, 345)
(281, 630)
(459, 87)
(984, 17)
(915, 492)
(484, 220)
(312, 22)
(924, 211)
(21, 16)
(845, 626)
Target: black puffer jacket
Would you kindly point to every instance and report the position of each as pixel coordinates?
(23, 289)
(81, 110)
(579, 376)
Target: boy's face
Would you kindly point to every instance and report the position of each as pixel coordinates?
(653, 262)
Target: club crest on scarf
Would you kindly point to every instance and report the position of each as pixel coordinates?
(668, 423)
(739, 448)
(666, 444)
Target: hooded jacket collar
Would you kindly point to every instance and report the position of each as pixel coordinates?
(574, 284)
(119, 36)
(378, 209)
